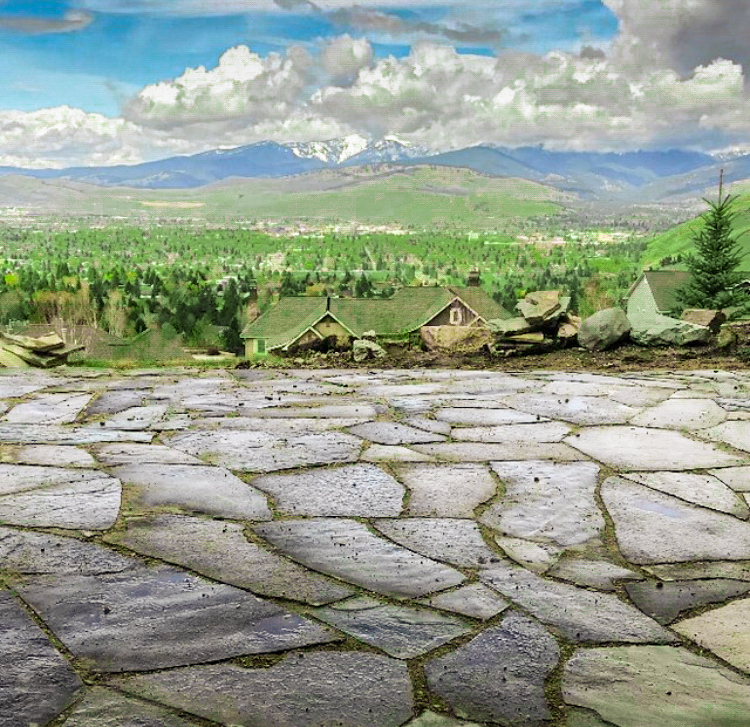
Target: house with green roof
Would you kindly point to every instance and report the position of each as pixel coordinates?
(298, 322)
(654, 293)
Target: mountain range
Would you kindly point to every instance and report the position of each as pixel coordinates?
(643, 176)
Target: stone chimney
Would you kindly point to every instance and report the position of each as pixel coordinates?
(474, 280)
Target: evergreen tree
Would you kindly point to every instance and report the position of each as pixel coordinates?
(713, 267)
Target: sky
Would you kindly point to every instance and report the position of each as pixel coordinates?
(100, 82)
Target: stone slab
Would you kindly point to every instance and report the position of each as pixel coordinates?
(513, 451)
(382, 453)
(668, 686)
(638, 448)
(735, 433)
(537, 557)
(484, 417)
(538, 432)
(306, 690)
(724, 632)
(346, 549)
(403, 632)
(682, 414)
(579, 615)
(137, 418)
(57, 434)
(700, 571)
(584, 410)
(475, 600)
(114, 401)
(359, 410)
(211, 490)
(550, 502)
(137, 620)
(598, 574)
(433, 719)
(499, 675)
(429, 425)
(362, 490)
(652, 527)
(220, 551)
(458, 542)
(665, 601)
(633, 394)
(47, 455)
(394, 433)
(447, 490)
(36, 683)
(48, 409)
(124, 453)
(21, 478)
(738, 478)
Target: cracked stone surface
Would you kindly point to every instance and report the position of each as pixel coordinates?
(312, 548)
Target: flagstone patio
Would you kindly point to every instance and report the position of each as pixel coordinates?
(379, 548)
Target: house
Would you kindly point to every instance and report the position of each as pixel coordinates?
(654, 293)
(297, 322)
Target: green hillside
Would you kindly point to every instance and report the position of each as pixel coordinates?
(678, 240)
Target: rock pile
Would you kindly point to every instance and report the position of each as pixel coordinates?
(27, 352)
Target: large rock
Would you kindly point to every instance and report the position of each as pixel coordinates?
(364, 349)
(703, 317)
(665, 331)
(510, 326)
(455, 338)
(604, 329)
(541, 306)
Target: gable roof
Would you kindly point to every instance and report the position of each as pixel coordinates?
(664, 285)
(286, 321)
(481, 302)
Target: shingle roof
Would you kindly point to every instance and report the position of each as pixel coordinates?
(664, 285)
(481, 302)
(286, 321)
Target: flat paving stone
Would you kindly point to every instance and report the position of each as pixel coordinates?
(538, 557)
(106, 708)
(724, 632)
(700, 571)
(539, 432)
(346, 549)
(259, 452)
(735, 433)
(122, 454)
(429, 425)
(638, 448)
(704, 490)
(433, 719)
(584, 718)
(579, 615)
(643, 686)
(27, 552)
(90, 502)
(36, 683)
(458, 542)
(499, 675)
(400, 631)
(21, 478)
(665, 601)
(17, 386)
(220, 551)
(598, 574)
(211, 490)
(355, 689)
(652, 527)
(48, 409)
(475, 600)
(682, 414)
(383, 453)
(394, 433)
(137, 620)
(46, 455)
(476, 452)
(547, 501)
(447, 490)
(585, 410)
(57, 434)
(137, 418)
(632, 394)
(114, 401)
(738, 478)
(337, 411)
(484, 417)
(362, 490)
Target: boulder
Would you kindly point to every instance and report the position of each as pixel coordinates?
(455, 338)
(664, 331)
(510, 326)
(364, 349)
(605, 329)
(540, 306)
(727, 337)
(704, 317)
(568, 330)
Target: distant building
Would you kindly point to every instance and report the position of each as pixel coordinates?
(297, 322)
(655, 293)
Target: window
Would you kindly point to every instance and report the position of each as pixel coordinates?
(260, 345)
(455, 317)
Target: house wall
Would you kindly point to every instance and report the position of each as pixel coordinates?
(253, 347)
(456, 314)
(305, 339)
(641, 303)
(329, 327)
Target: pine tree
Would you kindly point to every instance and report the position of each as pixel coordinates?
(713, 267)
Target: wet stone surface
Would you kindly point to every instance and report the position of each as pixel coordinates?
(374, 548)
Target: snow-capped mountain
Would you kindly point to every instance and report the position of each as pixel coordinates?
(356, 149)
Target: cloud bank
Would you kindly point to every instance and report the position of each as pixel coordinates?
(72, 20)
(674, 76)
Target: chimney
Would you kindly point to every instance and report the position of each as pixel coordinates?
(474, 280)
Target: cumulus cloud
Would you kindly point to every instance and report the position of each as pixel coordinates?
(344, 57)
(72, 20)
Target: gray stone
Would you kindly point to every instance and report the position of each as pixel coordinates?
(458, 542)
(540, 432)
(655, 528)
(604, 330)
(24, 551)
(711, 319)
(483, 416)
(220, 551)
(20, 478)
(400, 631)
(428, 425)
(114, 401)
(260, 452)
(36, 683)
(700, 571)
(736, 433)
(548, 502)
(637, 448)
(579, 615)
(48, 409)
(347, 550)
(394, 433)
(56, 434)
(634, 394)
(381, 453)
(351, 410)
(308, 689)
(518, 451)
(364, 349)
(499, 675)
(682, 414)
(119, 454)
(598, 574)
(90, 502)
(432, 719)
(47, 455)
(137, 620)
(475, 600)
(447, 490)
(211, 490)
(586, 410)
(722, 631)
(541, 307)
(660, 330)
(137, 418)
(703, 490)
(16, 386)
(361, 490)
(537, 557)
(584, 718)
(644, 686)
(665, 601)
(738, 478)
(106, 708)
(510, 326)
